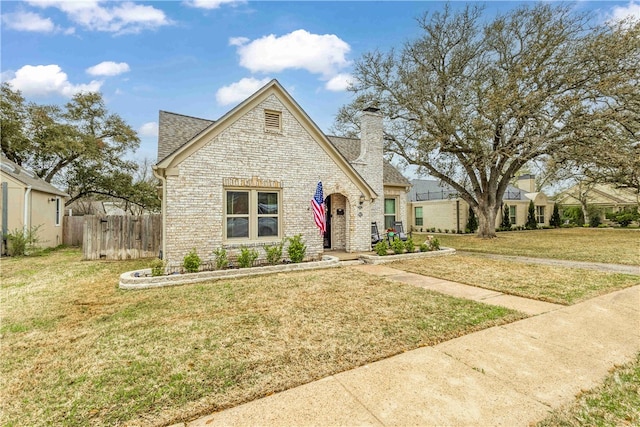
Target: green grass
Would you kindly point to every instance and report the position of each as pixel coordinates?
(615, 403)
(542, 282)
(615, 246)
(78, 351)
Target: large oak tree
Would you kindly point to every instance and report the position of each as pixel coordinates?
(473, 100)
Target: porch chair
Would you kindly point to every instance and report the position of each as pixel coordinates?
(397, 225)
(375, 234)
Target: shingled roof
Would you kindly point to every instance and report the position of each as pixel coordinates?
(175, 130)
(350, 149)
(28, 178)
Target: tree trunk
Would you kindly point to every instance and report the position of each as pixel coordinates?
(487, 220)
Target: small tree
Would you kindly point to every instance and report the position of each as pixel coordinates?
(531, 224)
(297, 249)
(506, 221)
(192, 262)
(554, 221)
(472, 222)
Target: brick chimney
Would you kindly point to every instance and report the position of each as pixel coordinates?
(369, 163)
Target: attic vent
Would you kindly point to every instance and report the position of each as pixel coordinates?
(272, 121)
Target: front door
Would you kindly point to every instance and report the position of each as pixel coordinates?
(327, 233)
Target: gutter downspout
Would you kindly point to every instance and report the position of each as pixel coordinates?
(25, 228)
(163, 210)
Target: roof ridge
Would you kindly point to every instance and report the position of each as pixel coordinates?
(186, 115)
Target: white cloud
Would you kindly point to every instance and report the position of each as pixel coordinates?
(339, 83)
(237, 41)
(212, 4)
(28, 21)
(116, 17)
(239, 91)
(632, 10)
(108, 68)
(41, 80)
(149, 129)
(319, 54)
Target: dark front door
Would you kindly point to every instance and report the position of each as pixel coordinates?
(327, 233)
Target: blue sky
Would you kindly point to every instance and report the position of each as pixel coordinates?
(202, 57)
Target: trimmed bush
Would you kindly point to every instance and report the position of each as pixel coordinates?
(157, 267)
(424, 247)
(247, 257)
(472, 222)
(397, 246)
(297, 249)
(531, 224)
(506, 220)
(555, 220)
(381, 248)
(409, 245)
(222, 261)
(274, 253)
(191, 262)
(434, 244)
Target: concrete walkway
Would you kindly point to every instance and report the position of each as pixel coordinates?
(507, 375)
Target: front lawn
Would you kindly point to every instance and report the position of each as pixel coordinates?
(77, 351)
(615, 403)
(546, 283)
(615, 246)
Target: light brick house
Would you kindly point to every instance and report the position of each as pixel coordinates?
(248, 178)
(433, 204)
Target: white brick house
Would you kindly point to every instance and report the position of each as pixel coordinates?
(248, 178)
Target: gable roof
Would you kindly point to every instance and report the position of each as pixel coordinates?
(200, 138)
(431, 189)
(28, 178)
(350, 149)
(175, 130)
(601, 194)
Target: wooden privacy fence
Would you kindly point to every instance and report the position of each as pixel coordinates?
(121, 236)
(73, 227)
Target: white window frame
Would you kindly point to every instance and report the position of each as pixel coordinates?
(540, 214)
(254, 215)
(415, 211)
(395, 213)
(513, 218)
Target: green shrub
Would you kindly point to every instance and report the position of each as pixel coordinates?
(506, 219)
(472, 222)
(297, 249)
(532, 223)
(424, 247)
(397, 246)
(274, 253)
(21, 243)
(574, 215)
(434, 244)
(381, 248)
(555, 220)
(247, 257)
(222, 261)
(157, 267)
(409, 245)
(191, 262)
(624, 217)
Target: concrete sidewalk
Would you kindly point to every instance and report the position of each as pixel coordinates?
(507, 375)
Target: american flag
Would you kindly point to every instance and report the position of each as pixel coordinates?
(317, 203)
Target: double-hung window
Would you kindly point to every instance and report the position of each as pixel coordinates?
(418, 216)
(512, 215)
(540, 214)
(389, 213)
(252, 214)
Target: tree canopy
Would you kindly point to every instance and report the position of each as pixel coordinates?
(471, 101)
(80, 147)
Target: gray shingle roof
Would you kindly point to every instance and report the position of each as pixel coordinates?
(175, 130)
(431, 189)
(29, 178)
(350, 149)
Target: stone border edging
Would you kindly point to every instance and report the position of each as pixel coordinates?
(129, 282)
(376, 259)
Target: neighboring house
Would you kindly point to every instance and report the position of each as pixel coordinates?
(606, 197)
(248, 178)
(28, 202)
(434, 204)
